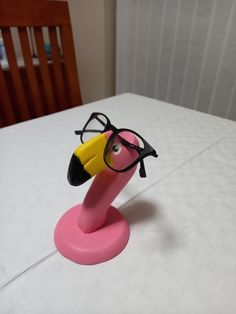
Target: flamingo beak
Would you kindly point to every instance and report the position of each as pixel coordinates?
(87, 160)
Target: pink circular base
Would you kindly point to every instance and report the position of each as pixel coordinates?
(95, 247)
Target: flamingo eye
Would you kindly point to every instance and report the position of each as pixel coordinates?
(116, 148)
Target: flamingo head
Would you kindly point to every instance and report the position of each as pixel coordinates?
(94, 156)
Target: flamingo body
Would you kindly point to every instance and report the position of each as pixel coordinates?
(94, 231)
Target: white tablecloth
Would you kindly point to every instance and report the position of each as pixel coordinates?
(181, 256)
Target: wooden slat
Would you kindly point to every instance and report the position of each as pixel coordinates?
(48, 84)
(2, 123)
(60, 86)
(15, 74)
(33, 13)
(70, 65)
(44, 69)
(24, 40)
(9, 115)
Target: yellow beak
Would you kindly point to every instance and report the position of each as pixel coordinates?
(87, 160)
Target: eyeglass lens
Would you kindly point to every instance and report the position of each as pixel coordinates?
(123, 150)
(95, 126)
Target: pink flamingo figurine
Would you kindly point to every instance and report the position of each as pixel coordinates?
(95, 231)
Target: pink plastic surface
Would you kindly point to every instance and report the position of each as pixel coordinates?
(94, 231)
(94, 247)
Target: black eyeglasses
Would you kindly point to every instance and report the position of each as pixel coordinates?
(99, 123)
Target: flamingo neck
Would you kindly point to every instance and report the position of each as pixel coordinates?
(104, 189)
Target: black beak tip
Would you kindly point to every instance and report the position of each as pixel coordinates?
(76, 173)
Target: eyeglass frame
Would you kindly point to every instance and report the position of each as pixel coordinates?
(147, 150)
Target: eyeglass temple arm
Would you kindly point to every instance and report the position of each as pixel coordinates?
(154, 154)
(142, 171)
(79, 132)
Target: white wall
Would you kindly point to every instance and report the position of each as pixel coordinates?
(93, 24)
